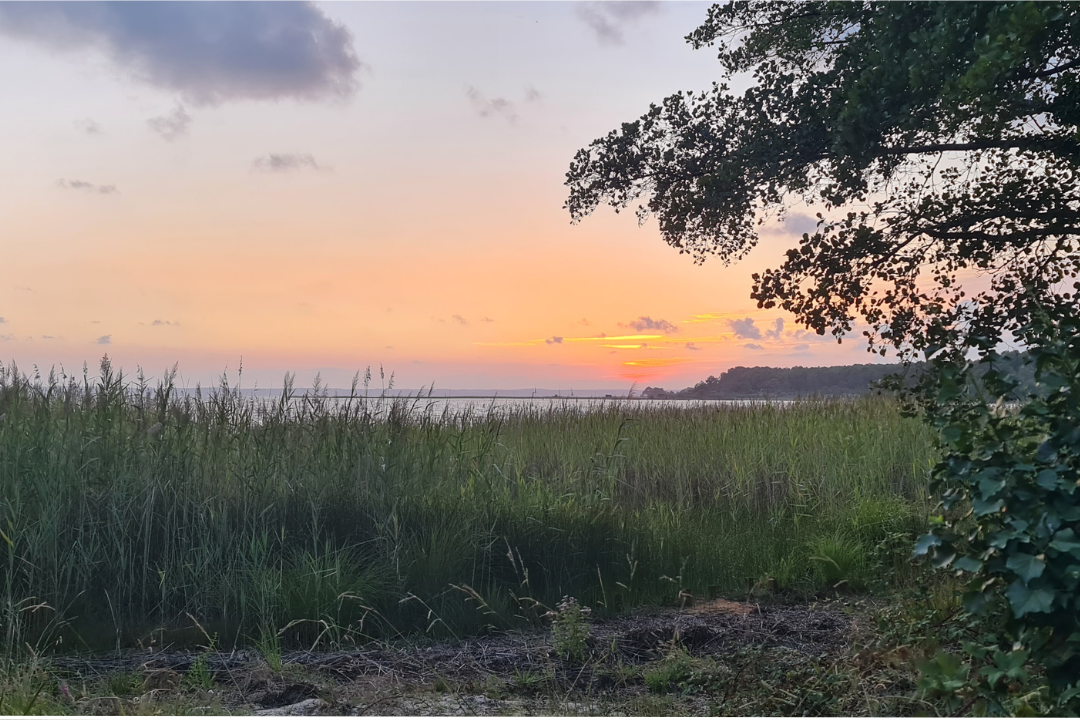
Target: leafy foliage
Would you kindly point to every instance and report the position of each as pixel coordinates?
(570, 630)
(939, 140)
(1009, 478)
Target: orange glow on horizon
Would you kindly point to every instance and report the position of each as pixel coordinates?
(660, 362)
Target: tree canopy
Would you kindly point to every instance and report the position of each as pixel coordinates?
(938, 142)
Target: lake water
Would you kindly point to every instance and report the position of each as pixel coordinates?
(474, 407)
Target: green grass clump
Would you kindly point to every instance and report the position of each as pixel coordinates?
(129, 512)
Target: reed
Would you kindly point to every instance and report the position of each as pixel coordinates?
(129, 509)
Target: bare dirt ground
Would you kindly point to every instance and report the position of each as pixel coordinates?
(694, 655)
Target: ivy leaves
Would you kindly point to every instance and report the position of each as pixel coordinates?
(1009, 479)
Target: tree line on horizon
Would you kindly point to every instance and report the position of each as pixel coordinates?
(837, 380)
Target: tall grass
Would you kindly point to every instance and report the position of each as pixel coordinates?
(129, 511)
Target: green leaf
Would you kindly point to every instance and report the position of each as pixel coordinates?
(990, 485)
(1028, 567)
(1046, 453)
(1025, 600)
(941, 557)
(925, 543)
(1069, 546)
(983, 507)
(952, 434)
(1047, 479)
(975, 602)
(968, 564)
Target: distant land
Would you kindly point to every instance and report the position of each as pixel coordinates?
(768, 382)
(740, 383)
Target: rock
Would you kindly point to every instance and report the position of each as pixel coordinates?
(311, 706)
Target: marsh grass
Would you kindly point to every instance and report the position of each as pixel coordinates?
(129, 508)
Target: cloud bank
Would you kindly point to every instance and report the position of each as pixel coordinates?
(208, 53)
(647, 323)
(745, 329)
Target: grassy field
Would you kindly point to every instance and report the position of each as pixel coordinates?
(133, 515)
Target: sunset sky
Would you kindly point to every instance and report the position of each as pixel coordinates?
(320, 188)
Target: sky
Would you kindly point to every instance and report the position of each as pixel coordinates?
(320, 188)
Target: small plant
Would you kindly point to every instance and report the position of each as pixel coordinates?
(570, 630)
(199, 674)
(681, 671)
(123, 684)
(838, 559)
(525, 680)
(665, 675)
(269, 646)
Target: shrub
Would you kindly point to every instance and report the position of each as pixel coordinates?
(570, 630)
(1008, 479)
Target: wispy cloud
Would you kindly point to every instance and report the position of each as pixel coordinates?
(777, 331)
(691, 346)
(812, 337)
(87, 187)
(158, 323)
(707, 317)
(533, 95)
(793, 223)
(88, 126)
(487, 107)
(171, 126)
(554, 340)
(561, 339)
(800, 224)
(209, 53)
(2, 321)
(753, 346)
(285, 162)
(459, 320)
(104, 340)
(609, 20)
(647, 323)
(486, 319)
(745, 328)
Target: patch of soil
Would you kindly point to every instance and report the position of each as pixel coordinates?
(383, 679)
